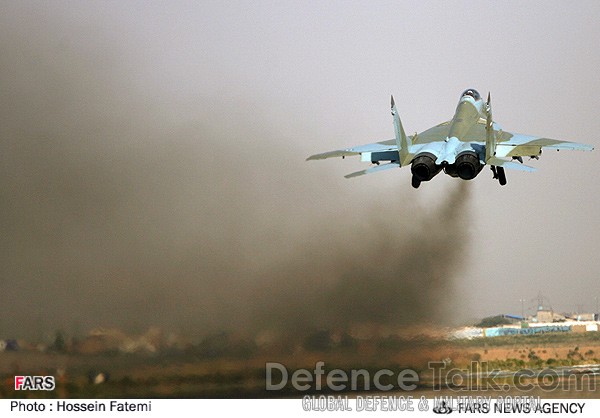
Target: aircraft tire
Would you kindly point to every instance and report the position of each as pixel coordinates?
(501, 176)
(415, 182)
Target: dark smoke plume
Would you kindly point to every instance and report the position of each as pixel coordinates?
(122, 204)
(393, 271)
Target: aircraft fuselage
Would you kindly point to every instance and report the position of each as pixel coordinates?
(455, 155)
(468, 112)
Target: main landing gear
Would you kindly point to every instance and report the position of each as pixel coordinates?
(499, 174)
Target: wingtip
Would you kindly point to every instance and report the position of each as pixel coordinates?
(393, 104)
(489, 99)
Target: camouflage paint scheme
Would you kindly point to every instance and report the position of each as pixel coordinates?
(460, 147)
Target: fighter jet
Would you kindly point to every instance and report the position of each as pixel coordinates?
(461, 147)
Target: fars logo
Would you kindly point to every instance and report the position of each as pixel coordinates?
(34, 383)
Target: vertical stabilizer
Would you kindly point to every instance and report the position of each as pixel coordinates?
(490, 137)
(402, 141)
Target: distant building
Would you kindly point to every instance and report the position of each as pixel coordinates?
(544, 316)
(585, 317)
(547, 316)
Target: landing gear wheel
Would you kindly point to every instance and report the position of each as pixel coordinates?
(501, 176)
(415, 182)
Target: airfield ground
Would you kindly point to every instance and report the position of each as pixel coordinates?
(190, 375)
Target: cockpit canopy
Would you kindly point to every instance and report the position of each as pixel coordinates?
(471, 92)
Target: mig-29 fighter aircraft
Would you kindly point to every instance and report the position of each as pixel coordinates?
(460, 147)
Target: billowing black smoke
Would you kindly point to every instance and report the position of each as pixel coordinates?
(395, 268)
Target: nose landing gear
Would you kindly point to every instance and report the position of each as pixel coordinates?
(415, 182)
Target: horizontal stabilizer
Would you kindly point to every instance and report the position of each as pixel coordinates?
(373, 169)
(512, 165)
(332, 154)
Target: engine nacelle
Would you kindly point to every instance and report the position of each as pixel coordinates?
(423, 166)
(467, 165)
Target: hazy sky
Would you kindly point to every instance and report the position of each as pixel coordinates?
(140, 137)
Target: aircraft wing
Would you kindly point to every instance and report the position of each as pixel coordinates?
(518, 145)
(397, 152)
(510, 144)
(436, 134)
(383, 146)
